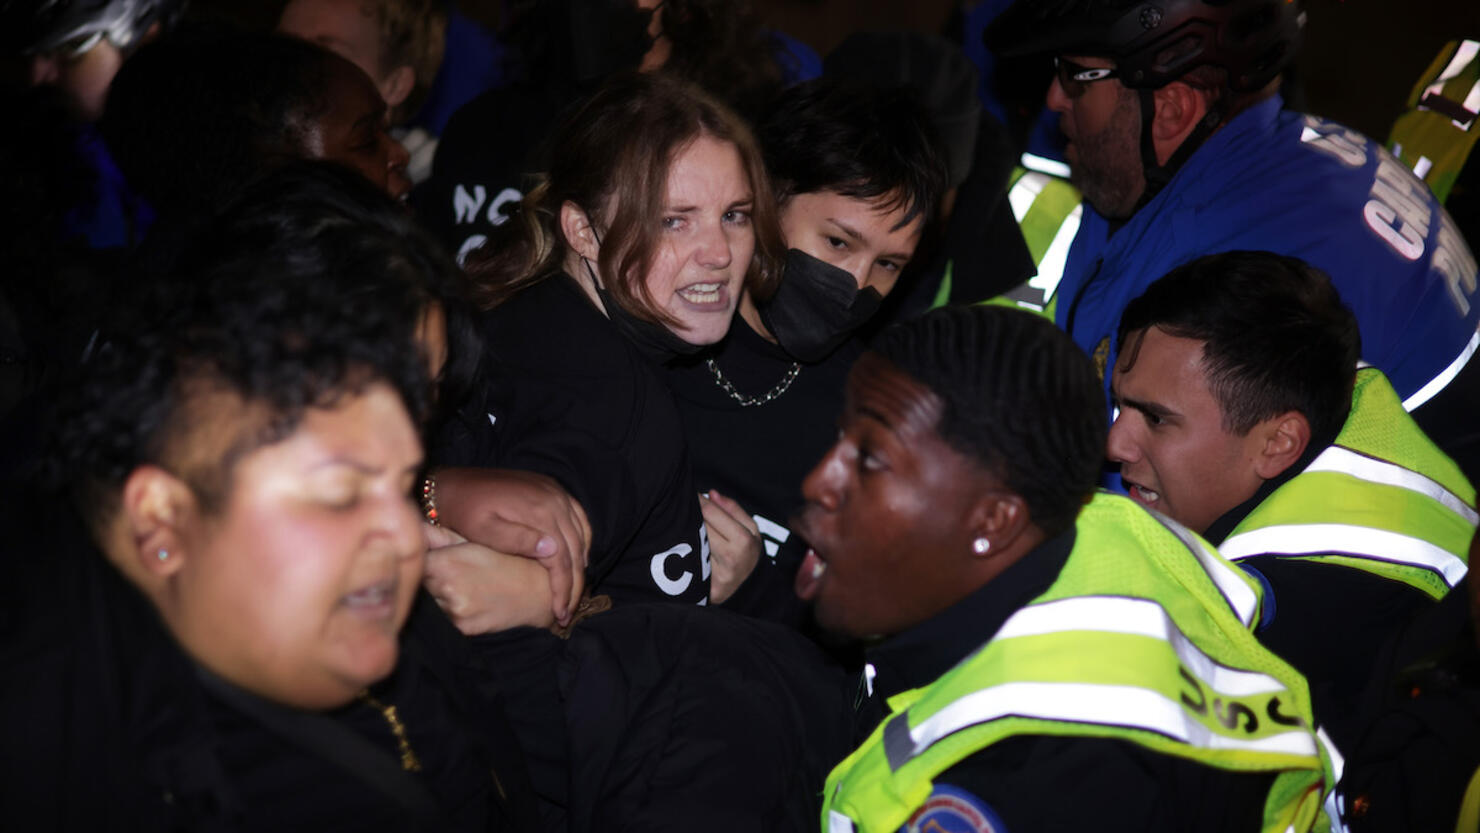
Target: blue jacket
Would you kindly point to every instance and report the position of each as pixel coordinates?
(1296, 185)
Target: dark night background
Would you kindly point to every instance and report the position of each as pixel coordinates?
(1360, 60)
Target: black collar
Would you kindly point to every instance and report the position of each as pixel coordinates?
(923, 653)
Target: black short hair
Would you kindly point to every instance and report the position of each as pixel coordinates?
(1020, 398)
(310, 287)
(196, 115)
(1276, 336)
(857, 140)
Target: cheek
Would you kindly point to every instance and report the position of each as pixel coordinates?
(371, 165)
(742, 248)
(302, 564)
(881, 279)
(89, 78)
(663, 277)
(412, 569)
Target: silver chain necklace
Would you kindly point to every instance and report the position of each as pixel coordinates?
(751, 401)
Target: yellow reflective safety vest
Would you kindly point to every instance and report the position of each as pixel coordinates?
(1145, 636)
(1383, 498)
(1047, 210)
(1437, 133)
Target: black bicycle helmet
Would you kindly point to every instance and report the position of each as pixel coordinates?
(1155, 42)
(35, 26)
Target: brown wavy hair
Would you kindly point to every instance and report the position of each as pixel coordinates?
(611, 157)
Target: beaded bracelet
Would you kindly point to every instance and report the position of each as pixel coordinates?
(429, 499)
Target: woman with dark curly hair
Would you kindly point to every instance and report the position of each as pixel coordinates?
(249, 652)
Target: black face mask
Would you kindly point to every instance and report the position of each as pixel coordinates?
(816, 307)
(656, 341)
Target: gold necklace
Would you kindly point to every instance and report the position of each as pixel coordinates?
(408, 757)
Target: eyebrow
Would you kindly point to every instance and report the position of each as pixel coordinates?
(360, 466)
(347, 462)
(748, 199)
(1148, 408)
(870, 413)
(847, 229)
(372, 118)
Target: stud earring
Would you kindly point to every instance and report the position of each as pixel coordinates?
(163, 554)
(980, 546)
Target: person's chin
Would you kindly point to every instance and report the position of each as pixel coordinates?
(368, 664)
(707, 329)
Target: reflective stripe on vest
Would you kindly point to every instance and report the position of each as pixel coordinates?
(1241, 598)
(1382, 498)
(839, 823)
(1445, 376)
(1134, 641)
(1342, 539)
(1373, 470)
(1333, 806)
(1436, 135)
(1048, 210)
(1106, 705)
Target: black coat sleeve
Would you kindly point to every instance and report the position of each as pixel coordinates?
(1038, 783)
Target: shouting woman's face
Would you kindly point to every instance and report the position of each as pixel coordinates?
(296, 585)
(707, 241)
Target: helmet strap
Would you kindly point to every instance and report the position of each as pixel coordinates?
(1158, 175)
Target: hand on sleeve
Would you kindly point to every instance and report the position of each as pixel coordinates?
(734, 544)
(482, 590)
(524, 514)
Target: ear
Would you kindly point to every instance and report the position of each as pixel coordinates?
(1284, 439)
(396, 86)
(155, 506)
(1000, 517)
(1179, 109)
(579, 234)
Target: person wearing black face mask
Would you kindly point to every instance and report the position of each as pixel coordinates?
(819, 305)
(859, 175)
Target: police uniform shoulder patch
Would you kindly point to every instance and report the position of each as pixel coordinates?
(953, 810)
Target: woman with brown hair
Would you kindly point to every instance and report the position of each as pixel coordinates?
(655, 215)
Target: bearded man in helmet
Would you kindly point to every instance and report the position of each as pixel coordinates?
(1180, 142)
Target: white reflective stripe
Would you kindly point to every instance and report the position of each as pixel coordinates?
(1106, 705)
(1042, 164)
(1472, 103)
(1437, 384)
(1422, 166)
(1051, 268)
(1024, 192)
(838, 823)
(1338, 763)
(1345, 461)
(1338, 767)
(1333, 812)
(1239, 595)
(1140, 617)
(1462, 57)
(1342, 539)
